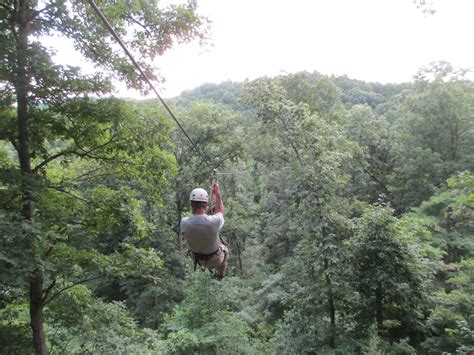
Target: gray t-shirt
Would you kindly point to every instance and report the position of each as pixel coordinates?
(202, 232)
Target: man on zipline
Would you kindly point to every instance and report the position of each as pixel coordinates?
(201, 231)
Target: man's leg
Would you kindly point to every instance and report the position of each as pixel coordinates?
(223, 266)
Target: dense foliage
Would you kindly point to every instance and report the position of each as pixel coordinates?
(349, 205)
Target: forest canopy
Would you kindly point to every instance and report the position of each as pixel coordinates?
(349, 204)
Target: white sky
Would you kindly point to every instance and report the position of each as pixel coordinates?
(371, 40)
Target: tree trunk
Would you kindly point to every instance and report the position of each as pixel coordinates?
(330, 297)
(454, 141)
(21, 88)
(36, 315)
(379, 308)
(239, 257)
(156, 301)
(179, 216)
(331, 306)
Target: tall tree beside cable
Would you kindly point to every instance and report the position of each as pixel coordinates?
(30, 79)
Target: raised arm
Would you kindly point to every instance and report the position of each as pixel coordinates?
(217, 192)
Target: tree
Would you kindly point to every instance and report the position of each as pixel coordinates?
(433, 134)
(451, 324)
(426, 6)
(227, 93)
(448, 214)
(306, 210)
(206, 321)
(31, 81)
(371, 132)
(315, 90)
(389, 276)
(89, 222)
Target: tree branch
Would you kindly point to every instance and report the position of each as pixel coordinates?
(61, 189)
(14, 144)
(64, 152)
(7, 8)
(86, 175)
(49, 159)
(13, 12)
(380, 183)
(95, 148)
(48, 290)
(87, 153)
(47, 7)
(46, 301)
(131, 18)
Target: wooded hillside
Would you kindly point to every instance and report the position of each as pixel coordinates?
(349, 205)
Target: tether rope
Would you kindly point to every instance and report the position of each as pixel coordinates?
(147, 79)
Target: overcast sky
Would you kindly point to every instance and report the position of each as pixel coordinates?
(371, 40)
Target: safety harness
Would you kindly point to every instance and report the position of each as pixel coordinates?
(200, 257)
(197, 257)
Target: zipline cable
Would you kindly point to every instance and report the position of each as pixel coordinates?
(235, 172)
(147, 79)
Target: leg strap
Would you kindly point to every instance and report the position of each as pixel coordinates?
(199, 256)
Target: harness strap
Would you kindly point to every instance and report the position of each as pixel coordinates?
(199, 256)
(222, 241)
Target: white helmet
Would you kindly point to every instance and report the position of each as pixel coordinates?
(199, 194)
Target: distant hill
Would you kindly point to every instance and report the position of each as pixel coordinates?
(227, 93)
(352, 91)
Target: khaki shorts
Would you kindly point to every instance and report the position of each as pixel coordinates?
(216, 260)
